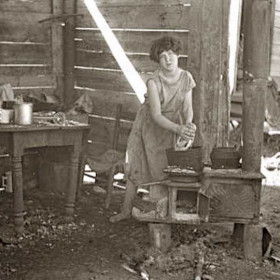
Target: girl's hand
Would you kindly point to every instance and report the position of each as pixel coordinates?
(187, 132)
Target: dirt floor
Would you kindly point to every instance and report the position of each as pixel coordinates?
(91, 247)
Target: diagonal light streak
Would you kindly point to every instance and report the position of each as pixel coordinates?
(125, 64)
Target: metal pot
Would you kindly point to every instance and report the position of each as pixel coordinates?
(23, 113)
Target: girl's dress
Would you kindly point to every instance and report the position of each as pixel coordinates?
(146, 156)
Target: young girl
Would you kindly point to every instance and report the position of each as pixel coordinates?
(166, 114)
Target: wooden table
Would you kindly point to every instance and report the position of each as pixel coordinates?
(19, 138)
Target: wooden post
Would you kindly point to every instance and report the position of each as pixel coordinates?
(256, 21)
(208, 61)
(69, 52)
(160, 234)
(256, 71)
(57, 48)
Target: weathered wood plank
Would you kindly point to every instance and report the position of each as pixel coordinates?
(34, 91)
(277, 19)
(105, 102)
(222, 204)
(142, 63)
(25, 54)
(275, 61)
(276, 36)
(210, 71)
(23, 27)
(24, 80)
(277, 5)
(57, 47)
(107, 60)
(26, 70)
(224, 94)
(272, 14)
(212, 47)
(194, 66)
(107, 80)
(131, 41)
(103, 131)
(30, 6)
(69, 53)
(112, 3)
(156, 16)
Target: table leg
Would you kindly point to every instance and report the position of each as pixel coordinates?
(72, 185)
(18, 193)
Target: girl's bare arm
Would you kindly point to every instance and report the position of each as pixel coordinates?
(188, 108)
(155, 108)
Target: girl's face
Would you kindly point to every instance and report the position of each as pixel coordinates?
(168, 61)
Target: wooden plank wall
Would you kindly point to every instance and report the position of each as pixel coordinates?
(25, 46)
(135, 24)
(275, 49)
(31, 57)
(202, 27)
(214, 84)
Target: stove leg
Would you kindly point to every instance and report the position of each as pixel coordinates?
(18, 193)
(250, 238)
(160, 235)
(72, 186)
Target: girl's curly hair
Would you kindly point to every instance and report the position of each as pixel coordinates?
(165, 43)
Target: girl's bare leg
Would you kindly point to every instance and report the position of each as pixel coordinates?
(125, 213)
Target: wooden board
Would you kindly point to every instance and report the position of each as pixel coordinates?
(106, 80)
(23, 27)
(194, 65)
(148, 3)
(275, 47)
(30, 6)
(276, 36)
(131, 41)
(212, 24)
(25, 80)
(25, 53)
(35, 91)
(25, 70)
(224, 94)
(127, 16)
(277, 5)
(57, 45)
(107, 60)
(232, 200)
(102, 131)
(142, 63)
(275, 61)
(277, 19)
(104, 102)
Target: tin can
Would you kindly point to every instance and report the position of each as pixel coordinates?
(23, 113)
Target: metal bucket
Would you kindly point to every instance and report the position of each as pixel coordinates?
(23, 113)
